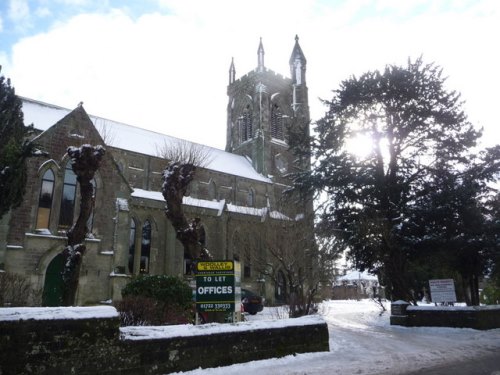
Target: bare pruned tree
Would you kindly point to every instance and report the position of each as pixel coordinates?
(183, 159)
(295, 256)
(184, 152)
(85, 161)
(108, 134)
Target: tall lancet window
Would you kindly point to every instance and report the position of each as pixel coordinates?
(145, 247)
(245, 120)
(68, 198)
(45, 200)
(277, 125)
(90, 221)
(131, 246)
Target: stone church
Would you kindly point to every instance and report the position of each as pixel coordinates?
(236, 195)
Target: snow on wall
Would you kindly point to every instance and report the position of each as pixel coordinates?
(157, 332)
(52, 313)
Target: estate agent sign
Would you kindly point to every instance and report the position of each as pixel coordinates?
(216, 284)
(442, 290)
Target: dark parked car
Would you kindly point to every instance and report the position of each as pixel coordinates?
(252, 303)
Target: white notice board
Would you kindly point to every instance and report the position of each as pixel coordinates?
(442, 290)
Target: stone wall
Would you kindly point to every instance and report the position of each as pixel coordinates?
(94, 345)
(477, 317)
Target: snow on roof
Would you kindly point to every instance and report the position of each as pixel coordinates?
(131, 138)
(214, 205)
(122, 204)
(247, 210)
(278, 215)
(51, 313)
(356, 275)
(188, 201)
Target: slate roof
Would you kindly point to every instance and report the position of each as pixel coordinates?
(131, 138)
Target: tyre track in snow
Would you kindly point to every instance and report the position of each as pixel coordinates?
(374, 347)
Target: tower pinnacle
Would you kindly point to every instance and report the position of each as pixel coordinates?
(298, 64)
(260, 54)
(232, 71)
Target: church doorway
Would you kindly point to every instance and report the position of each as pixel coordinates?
(53, 285)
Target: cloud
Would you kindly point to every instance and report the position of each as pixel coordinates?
(168, 70)
(19, 10)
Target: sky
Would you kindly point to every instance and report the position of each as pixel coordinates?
(163, 65)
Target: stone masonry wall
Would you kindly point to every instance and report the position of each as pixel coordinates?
(476, 317)
(94, 346)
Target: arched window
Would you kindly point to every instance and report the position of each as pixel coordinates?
(145, 247)
(212, 190)
(247, 265)
(68, 198)
(250, 198)
(131, 246)
(277, 130)
(45, 200)
(245, 120)
(90, 221)
(280, 288)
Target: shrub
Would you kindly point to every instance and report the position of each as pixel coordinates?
(16, 291)
(490, 295)
(145, 311)
(156, 300)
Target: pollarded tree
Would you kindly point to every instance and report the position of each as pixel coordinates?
(85, 161)
(14, 148)
(412, 121)
(183, 159)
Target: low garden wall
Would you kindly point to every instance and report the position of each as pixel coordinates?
(88, 340)
(477, 317)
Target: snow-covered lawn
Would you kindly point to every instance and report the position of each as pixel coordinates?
(362, 342)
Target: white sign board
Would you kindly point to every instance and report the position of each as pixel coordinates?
(442, 290)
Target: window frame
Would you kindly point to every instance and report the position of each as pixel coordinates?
(50, 205)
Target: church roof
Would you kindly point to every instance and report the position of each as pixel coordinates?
(132, 138)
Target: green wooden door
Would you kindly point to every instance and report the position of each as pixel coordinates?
(53, 286)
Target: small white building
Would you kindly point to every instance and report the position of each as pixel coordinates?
(356, 284)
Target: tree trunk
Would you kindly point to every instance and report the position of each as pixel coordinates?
(176, 179)
(395, 270)
(86, 160)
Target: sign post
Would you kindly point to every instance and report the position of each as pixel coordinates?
(215, 286)
(443, 291)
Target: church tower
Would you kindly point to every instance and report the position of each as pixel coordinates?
(263, 108)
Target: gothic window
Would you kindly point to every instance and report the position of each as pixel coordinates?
(202, 236)
(250, 198)
(68, 198)
(45, 200)
(247, 266)
(212, 190)
(90, 221)
(145, 247)
(245, 120)
(280, 288)
(277, 125)
(131, 246)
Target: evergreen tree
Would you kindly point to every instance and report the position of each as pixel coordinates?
(368, 202)
(453, 224)
(14, 148)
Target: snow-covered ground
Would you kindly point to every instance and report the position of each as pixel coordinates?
(362, 342)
